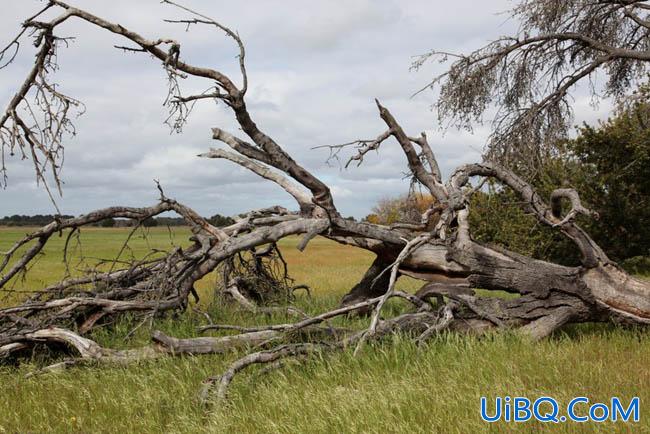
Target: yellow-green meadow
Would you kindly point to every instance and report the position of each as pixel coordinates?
(392, 386)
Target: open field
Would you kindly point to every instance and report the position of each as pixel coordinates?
(391, 387)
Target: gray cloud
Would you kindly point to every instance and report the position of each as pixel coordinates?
(314, 67)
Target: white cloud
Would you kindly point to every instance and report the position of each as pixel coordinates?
(314, 68)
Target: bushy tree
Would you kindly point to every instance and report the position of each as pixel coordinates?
(403, 209)
(610, 165)
(614, 177)
(220, 220)
(499, 219)
(523, 82)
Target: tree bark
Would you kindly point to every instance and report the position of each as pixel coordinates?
(441, 250)
(373, 283)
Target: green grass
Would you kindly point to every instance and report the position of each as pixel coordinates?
(391, 387)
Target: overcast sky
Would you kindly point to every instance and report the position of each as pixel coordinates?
(314, 69)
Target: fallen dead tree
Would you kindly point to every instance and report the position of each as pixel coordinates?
(440, 249)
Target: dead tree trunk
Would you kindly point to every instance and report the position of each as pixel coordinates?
(373, 283)
(550, 295)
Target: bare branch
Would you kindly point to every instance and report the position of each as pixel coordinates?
(444, 321)
(425, 177)
(251, 359)
(592, 254)
(394, 268)
(576, 205)
(527, 77)
(303, 199)
(428, 155)
(549, 294)
(363, 146)
(228, 31)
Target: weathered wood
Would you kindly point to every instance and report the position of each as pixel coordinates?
(212, 345)
(372, 284)
(549, 295)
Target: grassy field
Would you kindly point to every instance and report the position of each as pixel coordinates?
(392, 387)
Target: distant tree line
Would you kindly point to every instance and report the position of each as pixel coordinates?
(44, 219)
(30, 220)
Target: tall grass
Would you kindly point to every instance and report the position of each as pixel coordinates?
(391, 387)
